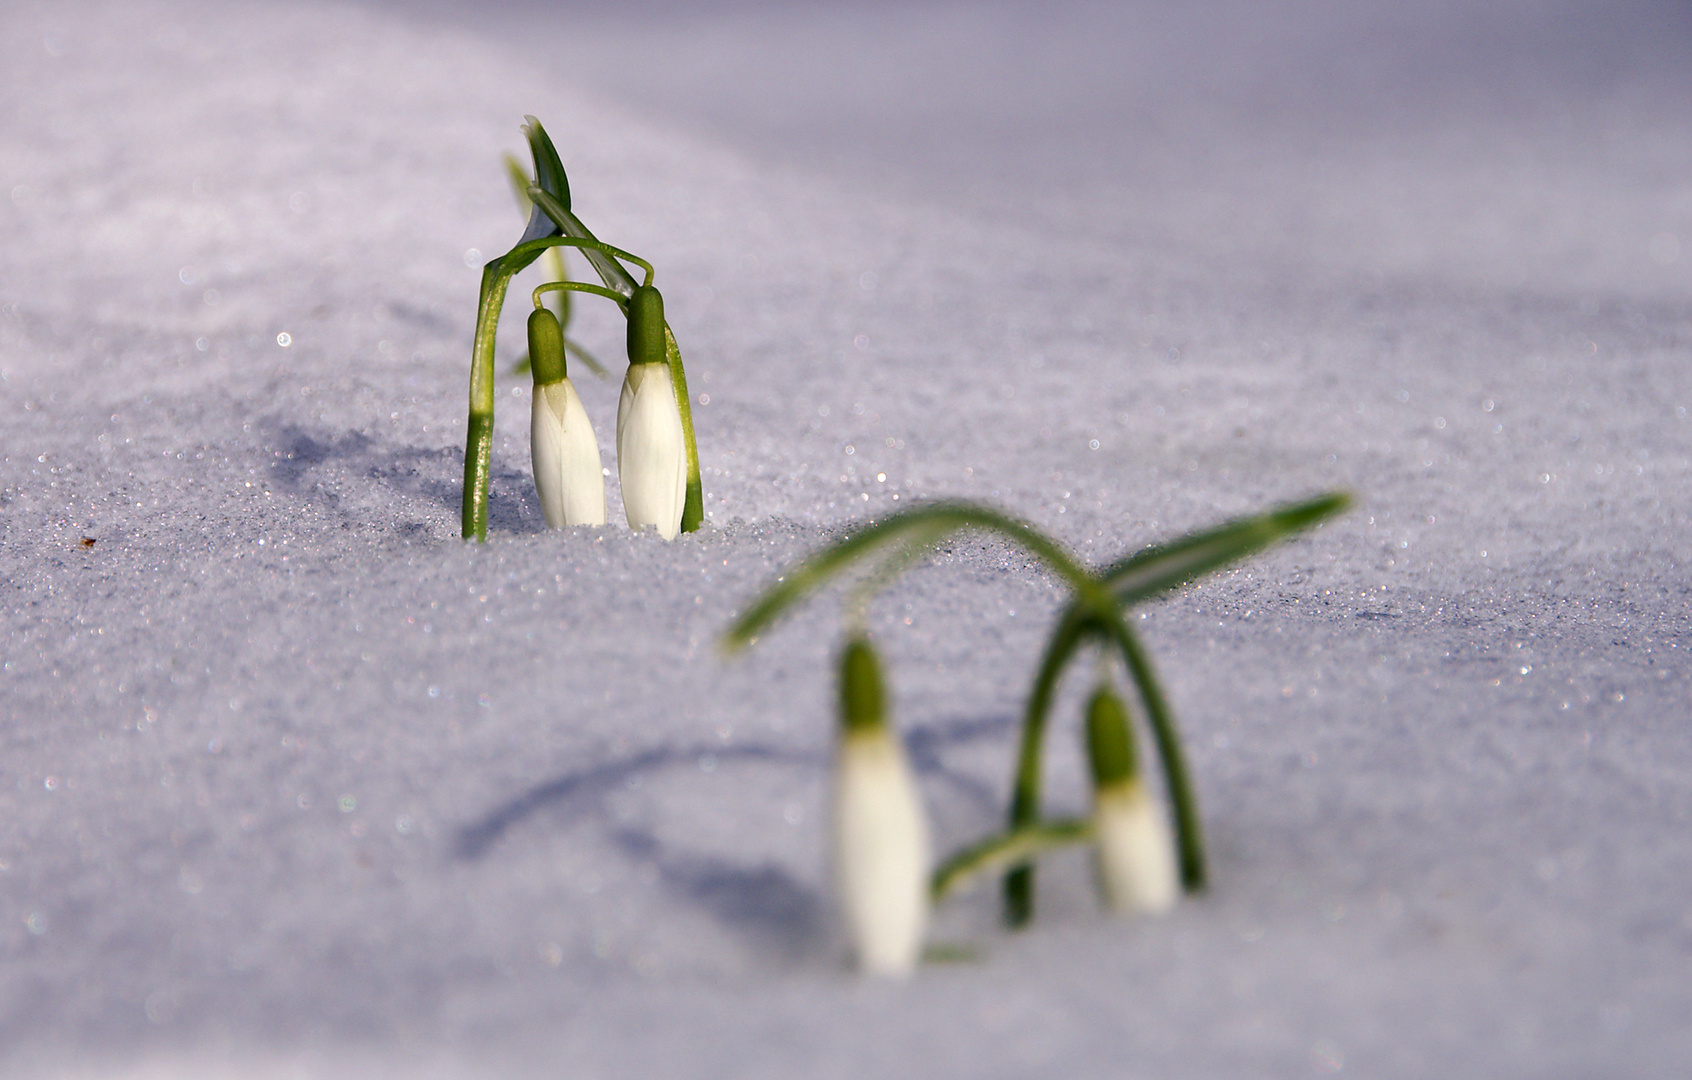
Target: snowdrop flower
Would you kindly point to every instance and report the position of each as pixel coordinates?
(880, 834)
(651, 449)
(568, 476)
(1136, 858)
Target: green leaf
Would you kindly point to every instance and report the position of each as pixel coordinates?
(520, 182)
(549, 176)
(1168, 566)
(549, 171)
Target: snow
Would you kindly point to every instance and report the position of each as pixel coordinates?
(295, 783)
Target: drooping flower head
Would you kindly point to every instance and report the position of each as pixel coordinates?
(1136, 858)
(568, 476)
(651, 447)
(880, 832)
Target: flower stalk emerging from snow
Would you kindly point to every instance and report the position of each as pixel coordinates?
(651, 445)
(1140, 867)
(880, 833)
(568, 476)
(1136, 859)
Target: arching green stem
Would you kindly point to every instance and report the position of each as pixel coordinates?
(578, 286)
(588, 245)
(1132, 580)
(937, 519)
(608, 268)
(915, 545)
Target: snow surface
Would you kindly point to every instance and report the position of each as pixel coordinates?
(294, 783)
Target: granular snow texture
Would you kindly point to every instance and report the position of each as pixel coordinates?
(294, 782)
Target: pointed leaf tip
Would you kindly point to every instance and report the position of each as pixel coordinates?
(549, 177)
(549, 170)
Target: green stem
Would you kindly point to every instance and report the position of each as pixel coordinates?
(1025, 796)
(577, 286)
(693, 507)
(478, 439)
(995, 852)
(478, 457)
(586, 241)
(1188, 829)
(608, 268)
(938, 518)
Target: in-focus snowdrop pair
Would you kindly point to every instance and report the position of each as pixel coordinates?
(651, 447)
(881, 834)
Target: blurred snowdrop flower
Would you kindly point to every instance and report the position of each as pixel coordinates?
(1136, 857)
(880, 833)
(562, 446)
(651, 447)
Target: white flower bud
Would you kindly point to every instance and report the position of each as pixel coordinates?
(568, 476)
(1136, 857)
(881, 848)
(880, 833)
(651, 451)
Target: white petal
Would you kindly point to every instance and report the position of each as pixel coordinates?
(1136, 858)
(651, 452)
(881, 852)
(565, 454)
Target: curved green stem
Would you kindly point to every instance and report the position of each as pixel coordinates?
(996, 852)
(608, 268)
(1070, 632)
(583, 239)
(478, 439)
(577, 286)
(1189, 831)
(942, 519)
(589, 246)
